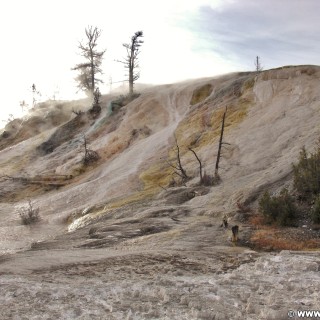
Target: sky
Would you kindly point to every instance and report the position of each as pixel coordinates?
(183, 39)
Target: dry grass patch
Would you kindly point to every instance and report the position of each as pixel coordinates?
(257, 220)
(269, 238)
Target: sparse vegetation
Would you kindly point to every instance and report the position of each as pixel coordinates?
(278, 209)
(307, 174)
(283, 209)
(90, 156)
(276, 239)
(29, 214)
(315, 211)
(205, 179)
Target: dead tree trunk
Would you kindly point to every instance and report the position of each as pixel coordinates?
(85, 147)
(179, 170)
(257, 63)
(200, 165)
(183, 172)
(220, 144)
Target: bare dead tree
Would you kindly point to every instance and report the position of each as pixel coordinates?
(200, 165)
(216, 174)
(257, 64)
(131, 60)
(181, 169)
(90, 156)
(23, 105)
(178, 168)
(87, 77)
(36, 94)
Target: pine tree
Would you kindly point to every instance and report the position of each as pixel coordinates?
(131, 60)
(87, 77)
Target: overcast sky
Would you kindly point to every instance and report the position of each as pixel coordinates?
(183, 39)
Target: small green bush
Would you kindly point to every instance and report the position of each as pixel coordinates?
(279, 209)
(307, 174)
(315, 212)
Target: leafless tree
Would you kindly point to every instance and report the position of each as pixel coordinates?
(178, 168)
(220, 144)
(131, 60)
(35, 95)
(23, 105)
(88, 70)
(257, 64)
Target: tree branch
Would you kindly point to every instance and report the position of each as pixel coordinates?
(200, 164)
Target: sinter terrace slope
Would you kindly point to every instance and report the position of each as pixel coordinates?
(123, 239)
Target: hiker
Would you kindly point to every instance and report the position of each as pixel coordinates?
(235, 232)
(225, 222)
